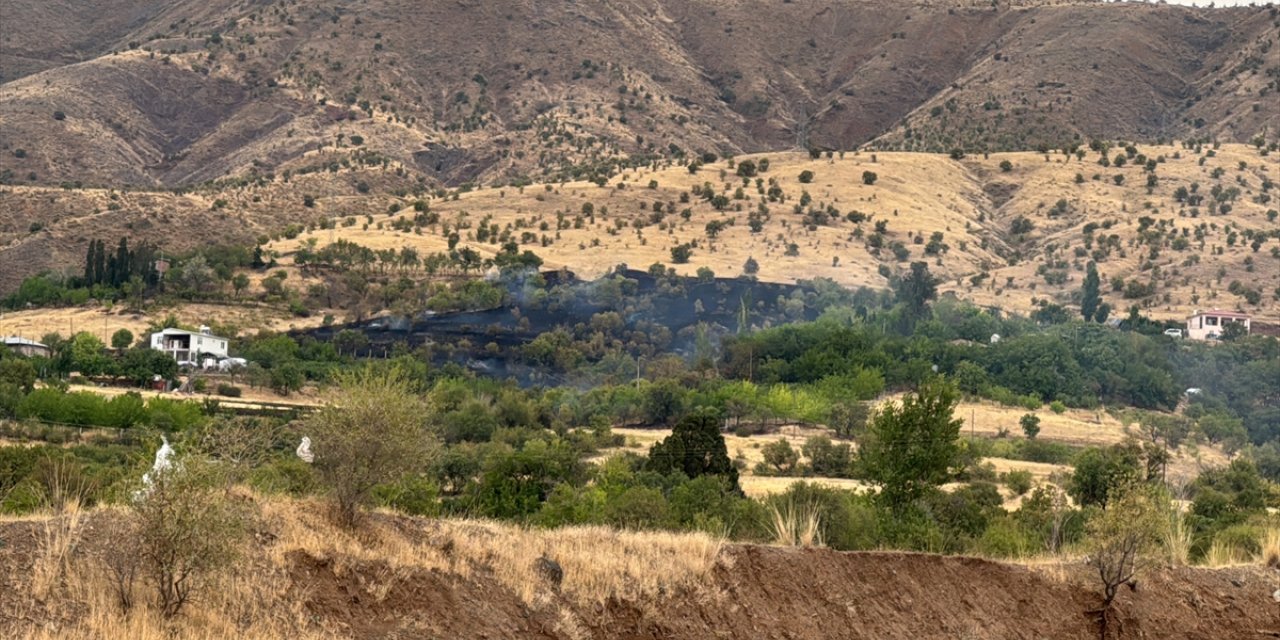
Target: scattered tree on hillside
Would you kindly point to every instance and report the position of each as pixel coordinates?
(869, 177)
(1030, 425)
(912, 447)
(1100, 472)
(121, 339)
(1091, 297)
(681, 253)
(914, 291)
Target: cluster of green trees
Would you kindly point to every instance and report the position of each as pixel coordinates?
(132, 275)
(83, 408)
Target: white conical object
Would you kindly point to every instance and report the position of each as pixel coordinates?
(304, 450)
(161, 464)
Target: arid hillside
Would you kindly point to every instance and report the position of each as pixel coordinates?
(172, 94)
(1008, 231)
(407, 577)
(1171, 228)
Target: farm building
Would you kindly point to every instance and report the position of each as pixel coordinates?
(25, 347)
(190, 346)
(1208, 325)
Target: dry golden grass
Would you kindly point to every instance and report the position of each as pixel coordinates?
(598, 564)
(1270, 555)
(796, 525)
(1040, 471)
(760, 486)
(916, 194)
(59, 536)
(1076, 427)
(104, 321)
(1222, 554)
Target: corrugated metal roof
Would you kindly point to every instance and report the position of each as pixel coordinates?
(11, 341)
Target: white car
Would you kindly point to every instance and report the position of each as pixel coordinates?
(1173, 333)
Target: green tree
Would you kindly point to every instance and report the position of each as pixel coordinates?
(681, 253)
(1030, 425)
(239, 282)
(696, 448)
(141, 365)
(87, 355)
(781, 456)
(1103, 312)
(1090, 294)
(373, 432)
(1100, 472)
(912, 447)
(286, 378)
(806, 176)
(826, 458)
(914, 291)
(869, 177)
(18, 373)
(121, 339)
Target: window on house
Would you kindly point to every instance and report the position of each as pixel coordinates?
(1211, 321)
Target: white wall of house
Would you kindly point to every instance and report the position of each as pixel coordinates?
(188, 345)
(1209, 324)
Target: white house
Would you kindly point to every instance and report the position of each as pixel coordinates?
(1207, 325)
(190, 346)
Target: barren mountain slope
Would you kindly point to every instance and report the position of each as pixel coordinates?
(175, 94)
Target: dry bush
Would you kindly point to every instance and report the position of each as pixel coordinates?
(796, 526)
(64, 494)
(1270, 544)
(260, 599)
(59, 538)
(1121, 539)
(1224, 554)
(1176, 537)
(183, 529)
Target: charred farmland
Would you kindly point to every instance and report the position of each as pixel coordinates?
(549, 325)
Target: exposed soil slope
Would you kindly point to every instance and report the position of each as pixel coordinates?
(419, 578)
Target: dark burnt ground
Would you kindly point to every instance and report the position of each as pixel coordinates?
(655, 313)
